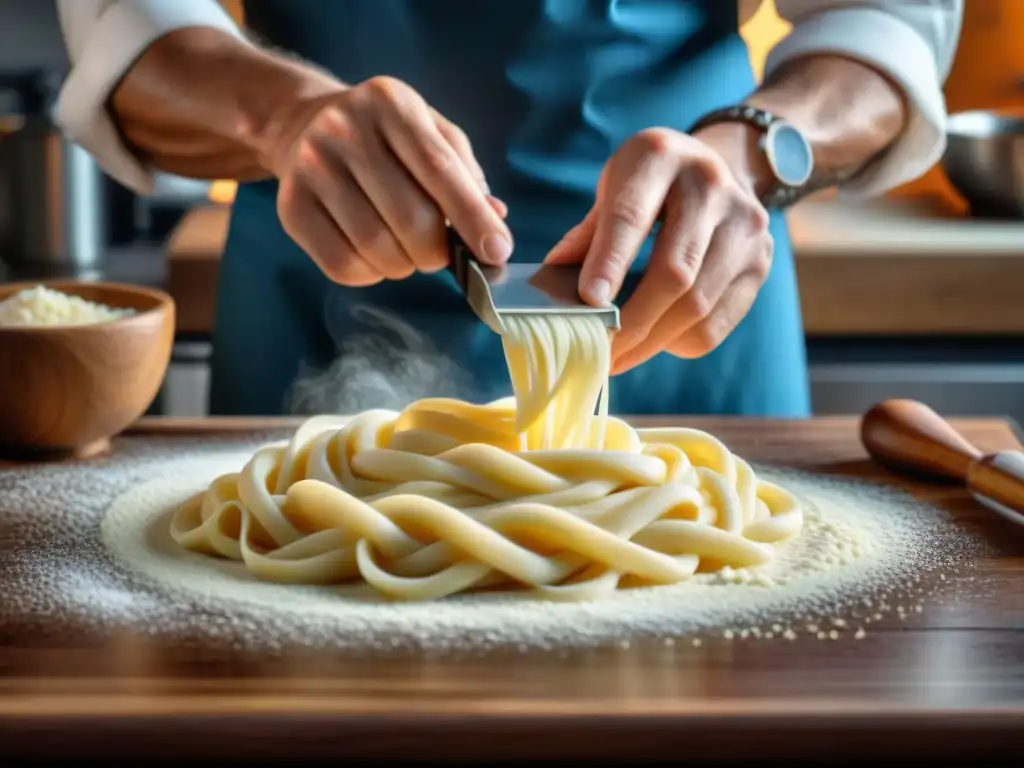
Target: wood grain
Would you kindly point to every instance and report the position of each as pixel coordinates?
(854, 279)
(944, 683)
(908, 436)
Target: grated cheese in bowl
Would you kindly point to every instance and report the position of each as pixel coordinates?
(43, 306)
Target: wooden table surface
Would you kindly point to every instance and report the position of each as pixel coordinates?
(945, 682)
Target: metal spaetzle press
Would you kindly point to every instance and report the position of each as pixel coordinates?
(494, 293)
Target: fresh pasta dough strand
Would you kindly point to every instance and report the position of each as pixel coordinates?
(559, 372)
(543, 491)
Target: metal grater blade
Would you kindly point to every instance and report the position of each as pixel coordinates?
(520, 289)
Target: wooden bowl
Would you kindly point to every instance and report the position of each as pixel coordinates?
(71, 388)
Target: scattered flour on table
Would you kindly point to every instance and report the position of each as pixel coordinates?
(87, 547)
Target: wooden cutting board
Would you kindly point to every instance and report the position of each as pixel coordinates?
(944, 683)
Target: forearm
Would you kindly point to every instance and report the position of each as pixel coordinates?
(849, 113)
(203, 104)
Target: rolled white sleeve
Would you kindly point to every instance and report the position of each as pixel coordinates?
(103, 39)
(911, 41)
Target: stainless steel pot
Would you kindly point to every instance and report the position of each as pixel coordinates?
(984, 161)
(52, 213)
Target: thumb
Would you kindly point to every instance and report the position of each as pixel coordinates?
(573, 248)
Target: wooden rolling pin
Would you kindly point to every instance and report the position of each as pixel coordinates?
(909, 438)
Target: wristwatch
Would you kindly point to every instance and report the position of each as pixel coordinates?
(786, 150)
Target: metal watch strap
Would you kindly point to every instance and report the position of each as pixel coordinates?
(781, 194)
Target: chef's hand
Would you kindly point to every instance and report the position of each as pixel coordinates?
(368, 176)
(709, 259)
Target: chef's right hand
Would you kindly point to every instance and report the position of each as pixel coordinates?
(368, 176)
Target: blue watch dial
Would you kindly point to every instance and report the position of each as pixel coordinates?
(789, 153)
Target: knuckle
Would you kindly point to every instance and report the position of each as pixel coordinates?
(345, 269)
(369, 239)
(629, 213)
(614, 264)
(434, 260)
(337, 270)
(758, 215)
(708, 175)
(397, 270)
(378, 247)
(386, 90)
(457, 137)
(748, 212)
(681, 272)
(439, 159)
(418, 220)
(657, 141)
(332, 121)
(700, 303)
(309, 154)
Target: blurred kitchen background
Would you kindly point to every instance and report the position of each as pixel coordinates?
(917, 295)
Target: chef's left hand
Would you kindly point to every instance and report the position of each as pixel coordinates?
(709, 259)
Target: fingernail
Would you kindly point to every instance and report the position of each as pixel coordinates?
(496, 249)
(599, 290)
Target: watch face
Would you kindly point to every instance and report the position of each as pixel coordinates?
(791, 157)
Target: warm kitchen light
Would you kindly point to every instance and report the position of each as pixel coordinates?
(222, 192)
(761, 32)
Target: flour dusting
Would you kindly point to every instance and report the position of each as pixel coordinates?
(87, 547)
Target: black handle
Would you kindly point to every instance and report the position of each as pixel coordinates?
(459, 254)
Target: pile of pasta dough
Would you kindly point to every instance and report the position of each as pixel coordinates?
(542, 491)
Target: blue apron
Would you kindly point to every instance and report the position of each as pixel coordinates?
(546, 91)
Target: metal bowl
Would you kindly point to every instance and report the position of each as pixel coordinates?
(984, 161)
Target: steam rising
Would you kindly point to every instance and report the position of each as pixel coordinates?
(390, 365)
